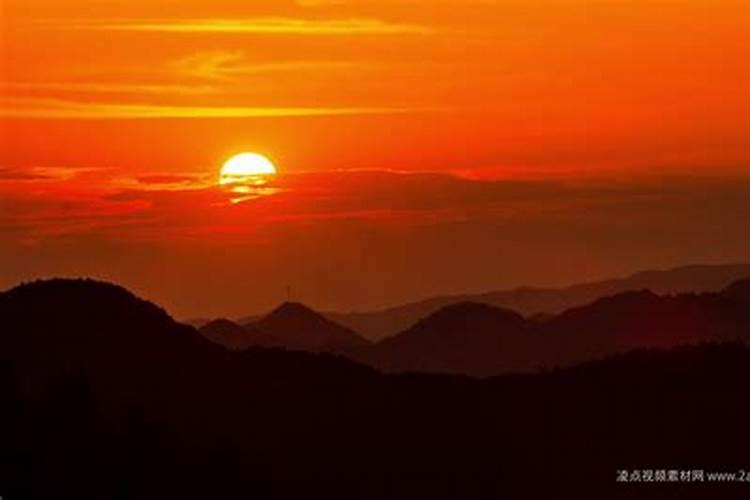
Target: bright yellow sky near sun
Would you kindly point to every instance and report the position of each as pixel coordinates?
(522, 86)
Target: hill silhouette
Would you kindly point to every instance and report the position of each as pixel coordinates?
(103, 395)
(465, 338)
(126, 344)
(230, 334)
(482, 340)
(291, 326)
(643, 319)
(530, 301)
(295, 326)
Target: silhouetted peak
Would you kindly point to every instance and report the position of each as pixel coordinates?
(68, 286)
(230, 334)
(296, 326)
(94, 319)
(293, 309)
(227, 326)
(463, 319)
(467, 337)
(86, 297)
(475, 311)
(294, 315)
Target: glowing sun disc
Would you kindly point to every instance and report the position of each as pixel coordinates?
(246, 167)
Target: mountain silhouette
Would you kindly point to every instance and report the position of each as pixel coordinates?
(478, 339)
(231, 335)
(295, 326)
(530, 301)
(464, 338)
(104, 394)
(482, 340)
(83, 317)
(128, 345)
(643, 319)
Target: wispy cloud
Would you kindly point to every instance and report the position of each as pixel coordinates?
(109, 88)
(230, 65)
(208, 73)
(17, 174)
(259, 25)
(24, 107)
(208, 64)
(32, 174)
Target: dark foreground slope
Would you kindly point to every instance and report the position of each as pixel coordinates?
(104, 396)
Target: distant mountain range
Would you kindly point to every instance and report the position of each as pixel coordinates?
(291, 326)
(477, 338)
(482, 340)
(103, 392)
(530, 301)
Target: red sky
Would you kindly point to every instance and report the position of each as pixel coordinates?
(423, 147)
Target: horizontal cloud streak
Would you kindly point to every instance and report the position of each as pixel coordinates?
(54, 108)
(109, 88)
(260, 26)
(227, 66)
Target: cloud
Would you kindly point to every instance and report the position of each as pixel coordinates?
(212, 72)
(17, 174)
(109, 88)
(168, 179)
(230, 65)
(26, 107)
(208, 64)
(167, 182)
(169, 205)
(257, 26)
(31, 174)
(173, 206)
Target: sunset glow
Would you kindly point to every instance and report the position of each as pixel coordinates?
(373, 249)
(426, 147)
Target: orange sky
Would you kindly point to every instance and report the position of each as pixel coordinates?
(604, 117)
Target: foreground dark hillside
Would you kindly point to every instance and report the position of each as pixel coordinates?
(104, 396)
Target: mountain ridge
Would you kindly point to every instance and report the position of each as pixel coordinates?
(530, 301)
(128, 400)
(293, 325)
(483, 340)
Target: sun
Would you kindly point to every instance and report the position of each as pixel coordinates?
(246, 168)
